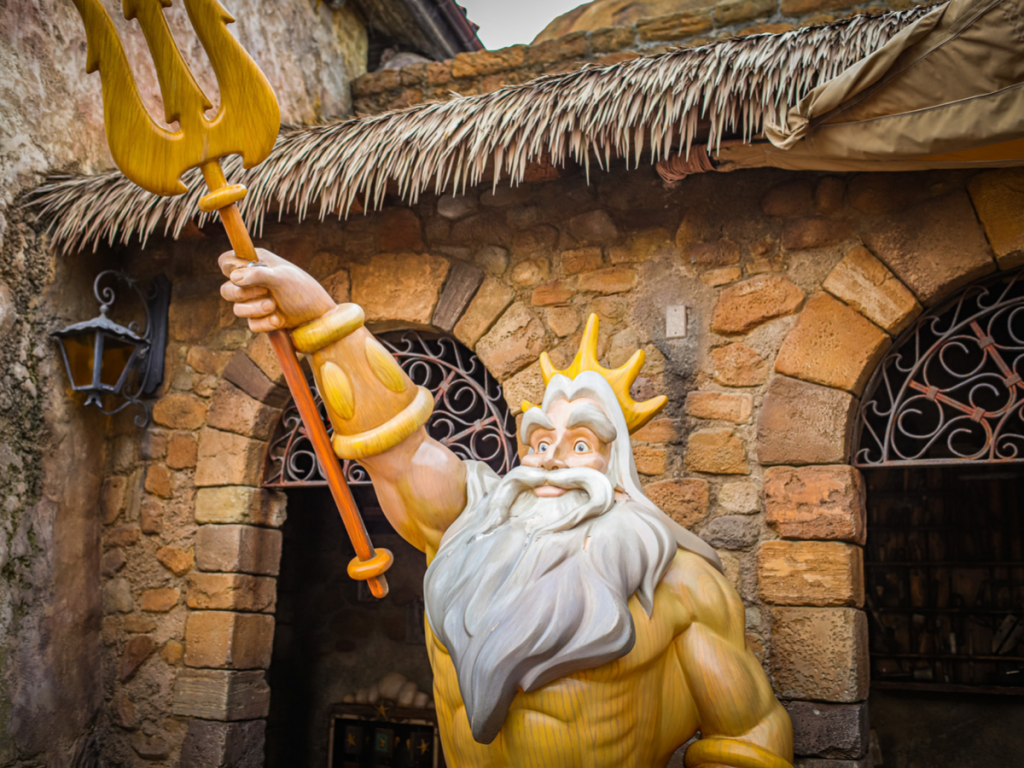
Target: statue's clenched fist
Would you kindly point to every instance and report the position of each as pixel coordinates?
(272, 293)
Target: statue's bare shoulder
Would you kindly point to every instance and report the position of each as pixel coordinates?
(698, 593)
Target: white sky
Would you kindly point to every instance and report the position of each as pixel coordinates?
(508, 22)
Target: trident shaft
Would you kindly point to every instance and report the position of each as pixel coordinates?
(155, 157)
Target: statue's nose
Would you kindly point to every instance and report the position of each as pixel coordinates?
(552, 462)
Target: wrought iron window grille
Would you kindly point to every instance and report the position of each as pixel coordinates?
(950, 390)
(470, 414)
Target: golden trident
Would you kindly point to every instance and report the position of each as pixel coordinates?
(155, 157)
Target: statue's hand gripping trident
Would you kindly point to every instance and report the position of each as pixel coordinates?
(155, 157)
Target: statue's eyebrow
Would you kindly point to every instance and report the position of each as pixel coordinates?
(533, 419)
(591, 417)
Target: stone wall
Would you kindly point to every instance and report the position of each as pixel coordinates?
(52, 452)
(486, 71)
(795, 285)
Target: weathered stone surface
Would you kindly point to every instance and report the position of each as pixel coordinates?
(867, 285)
(121, 536)
(837, 731)
(240, 504)
(934, 247)
(643, 245)
(789, 199)
(172, 652)
(820, 654)
(398, 231)
(739, 497)
(737, 365)
(477, 63)
(175, 560)
(182, 450)
(231, 592)
(232, 410)
(594, 228)
(724, 276)
(732, 11)
(158, 480)
(493, 258)
(607, 281)
(460, 289)
(491, 300)
(150, 747)
(238, 549)
(137, 624)
(399, 286)
(821, 573)
(112, 561)
(832, 344)
(531, 272)
(716, 451)
(828, 197)
(261, 351)
(685, 501)
(746, 305)
(514, 342)
(117, 596)
(803, 234)
(115, 492)
(731, 532)
(160, 600)
(226, 639)
(136, 651)
(650, 460)
(675, 26)
(224, 695)
(210, 744)
(248, 377)
(179, 412)
(657, 431)
(228, 459)
(527, 385)
(804, 423)
(816, 502)
(719, 253)
(553, 294)
(721, 406)
(455, 207)
(886, 193)
(206, 361)
(563, 320)
(999, 199)
(151, 517)
(581, 260)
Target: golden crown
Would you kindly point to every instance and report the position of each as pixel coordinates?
(621, 379)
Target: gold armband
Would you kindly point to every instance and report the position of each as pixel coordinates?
(733, 753)
(331, 327)
(389, 434)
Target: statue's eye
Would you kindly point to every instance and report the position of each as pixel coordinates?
(582, 446)
(542, 446)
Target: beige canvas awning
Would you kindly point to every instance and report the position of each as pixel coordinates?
(945, 92)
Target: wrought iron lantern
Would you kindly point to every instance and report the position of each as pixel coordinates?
(107, 360)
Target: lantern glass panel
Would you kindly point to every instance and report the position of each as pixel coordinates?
(116, 356)
(81, 354)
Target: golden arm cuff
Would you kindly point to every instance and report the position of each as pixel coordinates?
(329, 328)
(732, 752)
(389, 434)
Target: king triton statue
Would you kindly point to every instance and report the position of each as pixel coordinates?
(570, 622)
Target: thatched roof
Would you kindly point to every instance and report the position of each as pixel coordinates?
(645, 107)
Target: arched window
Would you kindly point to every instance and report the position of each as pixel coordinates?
(470, 415)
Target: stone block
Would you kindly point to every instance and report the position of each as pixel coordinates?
(136, 651)
(804, 7)
(685, 501)
(594, 228)
(832, 344)
(117, 596)
(563, 321)
(240, 504)
(375, 82)
(398, 230)
(720, 406)
(179, 412)
(150, 747)
(740, 497)
(790, 198)
(493, 258)
(137, 624)
(553, 294)
(804, 423)
(737, 365)
(160, 600)
(238, 549)
(836, 731)
(115, 493)
(210, 744)
(182, 450)
(733, 11)
(458, 291)
(570, 46)
(828, 197)
(822, 503)
(581, 260)
(514, 342)
(612, 38)
(820, 654)
(248, 377)
(527, 385)
(231, 592)
(744, 306)
(158, 481)
(718, 253)
(731, 532)
(821, 573)
(175, 560)
(675, 26)
(234, 411)
(657, 431)
(206, 361)
(399, 286)
(934, 247)
(608, 281)
(112, 561)
(490, 301)
(261, 351)
(225, 639)
(717, 277)
(455, 207)
(479, 63)
(644, 245)
(531, 272)
(998, 198)
(228, 459)
(214, 694)
(804, 234)
(716, 451)
(121, 536)
(867, 285)
(172, 652)
(650, 460)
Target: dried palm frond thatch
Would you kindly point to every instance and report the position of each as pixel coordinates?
(651, 105)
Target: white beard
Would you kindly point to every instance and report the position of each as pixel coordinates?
(525, 590)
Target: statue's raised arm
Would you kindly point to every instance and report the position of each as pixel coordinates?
(378, 414)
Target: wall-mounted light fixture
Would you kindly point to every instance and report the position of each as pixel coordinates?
(101, 355)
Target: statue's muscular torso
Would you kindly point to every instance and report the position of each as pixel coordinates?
(631, 712)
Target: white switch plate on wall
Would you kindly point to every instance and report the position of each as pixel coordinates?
(675, 321)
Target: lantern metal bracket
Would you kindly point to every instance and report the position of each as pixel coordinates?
(147, 356)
